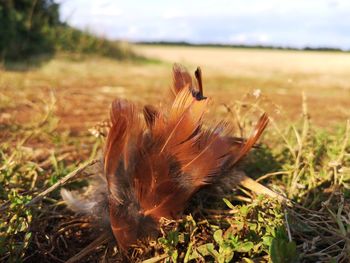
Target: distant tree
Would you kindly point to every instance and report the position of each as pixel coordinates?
(32, 27)
(27, 27)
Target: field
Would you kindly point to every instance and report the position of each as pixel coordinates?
(48, 113)
(280, 75)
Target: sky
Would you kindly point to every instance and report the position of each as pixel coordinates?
(294, 23)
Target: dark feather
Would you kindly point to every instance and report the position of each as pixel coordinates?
(150, 113)
(199, 93)
(153, 168)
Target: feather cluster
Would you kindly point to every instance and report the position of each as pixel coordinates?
(154, 164)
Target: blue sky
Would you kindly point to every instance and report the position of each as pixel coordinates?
(296, 23)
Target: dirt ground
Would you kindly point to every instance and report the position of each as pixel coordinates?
(69, 95)
(84, 88)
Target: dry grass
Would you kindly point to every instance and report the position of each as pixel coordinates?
(228, 73)
(46, 114)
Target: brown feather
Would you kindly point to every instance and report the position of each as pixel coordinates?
(181, 78)
(258, 130)
(123, 125)
(152, 171)
(184, 118)
(150, 114)
(211, 154)
(116, 138)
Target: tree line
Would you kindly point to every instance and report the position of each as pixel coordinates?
(32, 27)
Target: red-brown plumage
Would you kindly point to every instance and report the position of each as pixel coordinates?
(154, 166)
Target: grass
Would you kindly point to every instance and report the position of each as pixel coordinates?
(46, 114)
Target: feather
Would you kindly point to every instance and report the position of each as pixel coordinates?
(124, 124)
(92, 200)
(199, 93)
(153, 170)
(212, 152)
(150, 114)
(184, 118)
(121, 118)
(258, 130)
(76, 204)
(181, 78)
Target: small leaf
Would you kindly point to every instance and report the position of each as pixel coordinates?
(244, 210)
(267, 240)
(203, 249)
(245, 247)
(191, 253)
(211, 250)
(228, 203)
(174, 256)
(163, 240)
(218, 236)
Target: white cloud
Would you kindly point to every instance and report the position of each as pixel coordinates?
(263, 38)
(172, 14)
(288, 22)
(238, 38)
(250, 38)
(103, 12)
(132, 32)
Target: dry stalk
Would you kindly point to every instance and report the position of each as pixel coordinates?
(258, 188)
(156, 259)
(102, 239)
(62, 181)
